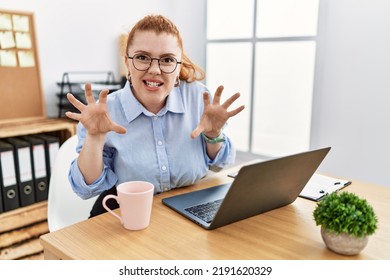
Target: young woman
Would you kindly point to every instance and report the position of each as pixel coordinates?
(162, 127)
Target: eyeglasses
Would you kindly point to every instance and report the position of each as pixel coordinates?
(142, 62)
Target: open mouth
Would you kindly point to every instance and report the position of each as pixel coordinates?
(152, 84)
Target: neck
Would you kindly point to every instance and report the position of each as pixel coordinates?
(152, 104)
(154, 108)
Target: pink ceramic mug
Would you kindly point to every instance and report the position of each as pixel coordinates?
(135, 200)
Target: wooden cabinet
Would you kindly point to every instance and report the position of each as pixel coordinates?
(20, 228)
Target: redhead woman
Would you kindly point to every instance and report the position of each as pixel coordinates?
(163, 126)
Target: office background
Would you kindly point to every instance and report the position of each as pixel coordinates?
(351, 97)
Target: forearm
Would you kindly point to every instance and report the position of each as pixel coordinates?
(90, 160)
(224, 152)
(213, 149)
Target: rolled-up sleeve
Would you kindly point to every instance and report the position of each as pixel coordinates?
(106, 180)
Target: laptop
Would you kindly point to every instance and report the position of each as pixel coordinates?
(257, 188)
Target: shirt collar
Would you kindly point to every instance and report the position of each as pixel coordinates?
(133, 108)
(175, 103)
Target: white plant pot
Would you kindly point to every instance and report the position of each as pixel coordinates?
(343, 244)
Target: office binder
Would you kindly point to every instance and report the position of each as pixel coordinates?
(8, 183)
(24, 171)
(52, 145)
(38, 157)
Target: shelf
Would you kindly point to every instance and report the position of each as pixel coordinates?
(22, 217)
(64, 127)
(74, 82)
(21, 228)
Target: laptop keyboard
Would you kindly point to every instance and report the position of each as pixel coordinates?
(205, 211)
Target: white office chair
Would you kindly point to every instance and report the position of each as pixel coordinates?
(64, 206)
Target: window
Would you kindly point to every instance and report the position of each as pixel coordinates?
(265, 49)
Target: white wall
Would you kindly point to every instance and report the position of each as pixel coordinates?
(351, 109)
(83, 35)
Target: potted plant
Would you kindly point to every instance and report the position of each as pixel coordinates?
(346, 222)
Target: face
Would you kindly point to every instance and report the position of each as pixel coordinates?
(151, 87)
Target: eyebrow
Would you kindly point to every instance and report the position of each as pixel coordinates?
(149, 54)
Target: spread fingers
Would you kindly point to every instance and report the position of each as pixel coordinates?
(75, 102)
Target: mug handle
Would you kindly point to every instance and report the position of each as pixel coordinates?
(107, 197)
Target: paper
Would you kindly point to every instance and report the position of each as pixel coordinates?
(5, 22)
(8, 168)
(23, 40)
(26, 59)
(25, 169)
(8, 58)
(320, 185)
(53, 150)
(7, 40)
(20, 23)
(39, 161)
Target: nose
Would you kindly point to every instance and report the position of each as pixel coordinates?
(154, 67)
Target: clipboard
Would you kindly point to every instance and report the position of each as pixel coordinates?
(321, 185)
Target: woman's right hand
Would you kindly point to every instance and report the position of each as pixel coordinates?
(94, 116)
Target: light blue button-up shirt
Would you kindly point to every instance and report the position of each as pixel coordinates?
(156, 147)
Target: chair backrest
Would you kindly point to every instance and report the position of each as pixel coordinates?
(64, 206)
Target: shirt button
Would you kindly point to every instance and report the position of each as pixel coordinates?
(166, 189)
(164, 167)
(159, 143)
(155, 118)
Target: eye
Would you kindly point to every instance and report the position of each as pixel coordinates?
(142, 58)
(168, 60)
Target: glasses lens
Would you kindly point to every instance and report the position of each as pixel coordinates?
(168, 64)
(141, 62)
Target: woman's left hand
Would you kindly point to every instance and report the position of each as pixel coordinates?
(215, 115)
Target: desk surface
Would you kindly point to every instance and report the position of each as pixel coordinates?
(285, 233)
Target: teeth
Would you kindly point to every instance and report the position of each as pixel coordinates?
(152, 84)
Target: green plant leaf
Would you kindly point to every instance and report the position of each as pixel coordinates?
(345, 212)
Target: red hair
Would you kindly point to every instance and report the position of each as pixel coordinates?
(159, 24)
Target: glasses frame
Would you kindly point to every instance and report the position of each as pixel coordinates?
(151, 61)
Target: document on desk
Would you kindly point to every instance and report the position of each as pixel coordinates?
(320, 185)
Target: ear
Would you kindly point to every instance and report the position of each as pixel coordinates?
(177, 82)
(128, 62)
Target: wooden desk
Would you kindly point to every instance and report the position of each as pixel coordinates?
(285, 233)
